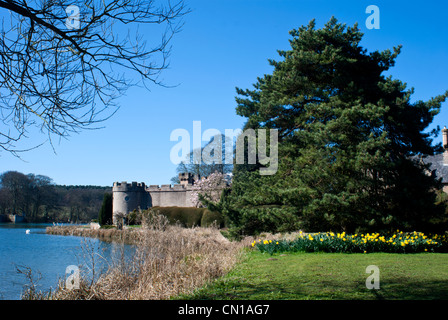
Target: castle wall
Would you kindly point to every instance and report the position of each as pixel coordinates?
(167, 196)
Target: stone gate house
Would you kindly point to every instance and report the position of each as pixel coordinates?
(131, 196)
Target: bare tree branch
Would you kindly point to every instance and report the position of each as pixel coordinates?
(62, 79)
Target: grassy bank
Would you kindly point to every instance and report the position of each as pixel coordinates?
(199, 263)
(340, 276)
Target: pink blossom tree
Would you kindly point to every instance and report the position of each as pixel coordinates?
(209, 188)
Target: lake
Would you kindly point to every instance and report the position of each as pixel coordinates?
(48, 255)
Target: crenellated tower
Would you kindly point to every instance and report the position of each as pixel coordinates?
(128, 197)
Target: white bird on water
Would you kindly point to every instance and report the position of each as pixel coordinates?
(27, 231)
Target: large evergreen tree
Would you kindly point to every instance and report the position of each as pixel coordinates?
(347, 138)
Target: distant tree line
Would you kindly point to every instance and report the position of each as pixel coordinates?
(39, 199)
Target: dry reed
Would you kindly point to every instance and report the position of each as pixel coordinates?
(127, 236)
(169, 260)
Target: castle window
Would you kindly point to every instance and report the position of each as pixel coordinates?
(126, 198)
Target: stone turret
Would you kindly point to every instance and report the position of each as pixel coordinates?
(186, 178)
(128, 197)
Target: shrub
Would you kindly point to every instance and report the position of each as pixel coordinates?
(211, 217)
(134, 217)
(185, 216)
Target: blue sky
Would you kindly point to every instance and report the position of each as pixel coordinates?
(225, 44)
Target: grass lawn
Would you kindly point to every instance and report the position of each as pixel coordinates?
(338, 276)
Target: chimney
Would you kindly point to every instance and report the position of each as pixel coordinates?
(445, 146)
(445, 138)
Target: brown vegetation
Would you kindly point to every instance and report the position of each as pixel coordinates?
(126, 236)
(170, 260)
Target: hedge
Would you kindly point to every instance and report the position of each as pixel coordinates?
(190, 217)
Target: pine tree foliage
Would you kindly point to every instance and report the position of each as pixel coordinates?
(348, 137)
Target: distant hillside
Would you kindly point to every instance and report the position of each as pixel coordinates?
(40, 200)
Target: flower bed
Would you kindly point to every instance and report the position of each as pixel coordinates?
(398, 242)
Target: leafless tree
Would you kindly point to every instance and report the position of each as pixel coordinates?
(63, 64)
(201, 167)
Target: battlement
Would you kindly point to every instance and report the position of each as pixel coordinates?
(129, 187)
(167, 187)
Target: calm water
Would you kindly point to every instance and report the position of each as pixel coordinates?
(48, 254)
